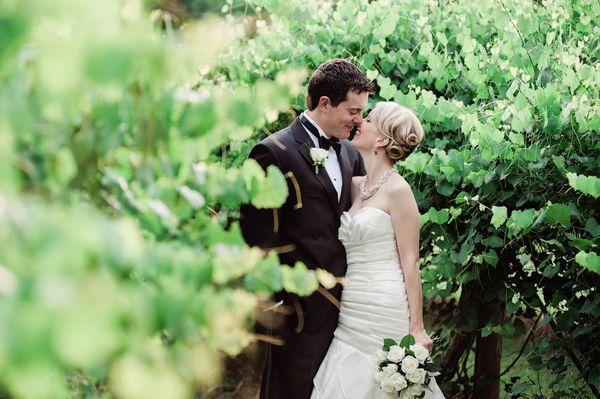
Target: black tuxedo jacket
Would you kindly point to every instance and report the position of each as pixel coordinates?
(309, 222)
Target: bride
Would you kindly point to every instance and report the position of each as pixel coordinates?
(382, 297)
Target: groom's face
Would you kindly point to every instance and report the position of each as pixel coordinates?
(341, 119)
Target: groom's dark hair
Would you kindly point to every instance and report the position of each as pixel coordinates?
(334, 79)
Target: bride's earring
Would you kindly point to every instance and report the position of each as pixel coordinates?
(376, 152)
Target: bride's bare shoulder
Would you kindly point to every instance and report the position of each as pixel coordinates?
(398, 187)
(397, 182)
(401, 198)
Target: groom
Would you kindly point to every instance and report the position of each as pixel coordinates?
(308, 222)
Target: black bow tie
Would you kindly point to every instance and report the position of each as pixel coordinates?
(324, 142)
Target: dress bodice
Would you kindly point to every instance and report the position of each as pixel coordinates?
(368, 236)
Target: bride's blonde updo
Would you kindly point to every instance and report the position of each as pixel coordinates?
(400, 125)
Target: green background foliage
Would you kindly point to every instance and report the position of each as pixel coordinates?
(123, 165)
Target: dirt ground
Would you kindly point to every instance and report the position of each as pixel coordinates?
(241, 379)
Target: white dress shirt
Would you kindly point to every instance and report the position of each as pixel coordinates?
(332, 165)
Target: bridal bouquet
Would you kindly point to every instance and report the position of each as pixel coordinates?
(403, 369)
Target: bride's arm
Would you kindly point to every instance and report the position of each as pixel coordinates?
(405, 218)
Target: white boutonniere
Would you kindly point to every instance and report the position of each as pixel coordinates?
(318, 156)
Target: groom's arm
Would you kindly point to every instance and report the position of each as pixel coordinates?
(259, 226)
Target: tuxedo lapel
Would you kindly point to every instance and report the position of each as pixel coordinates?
(304, 145)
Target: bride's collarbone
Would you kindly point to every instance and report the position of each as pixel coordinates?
(359, 205)
(380, 199)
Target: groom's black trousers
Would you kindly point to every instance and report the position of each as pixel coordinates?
(289, 369)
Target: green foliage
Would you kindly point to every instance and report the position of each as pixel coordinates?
(506, 178)
(271, 191)
(589, 185)
(589, 260)
(387, 343)
(499, 215)
(407, 341)
(120, 184)
(299, 279)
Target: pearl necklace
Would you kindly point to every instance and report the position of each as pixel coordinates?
(368, 194)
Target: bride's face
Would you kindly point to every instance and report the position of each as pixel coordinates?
(366, 136)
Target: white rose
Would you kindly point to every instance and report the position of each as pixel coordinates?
(317, 154)
(390, 369)
(380, 356)
(399, 381)
(421, 353)
(375, 362)
(415, 390)
(409, 364)
(395, 354)
(378, 376)
(387, 385)
(417, 376)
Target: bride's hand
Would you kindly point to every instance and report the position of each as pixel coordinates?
(421, 337)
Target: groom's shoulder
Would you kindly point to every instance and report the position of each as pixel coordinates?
(348, 145)
(274, 141)
(353, 152)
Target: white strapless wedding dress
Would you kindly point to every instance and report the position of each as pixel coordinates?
(373, 307)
